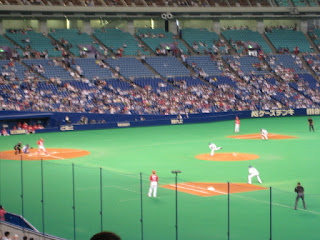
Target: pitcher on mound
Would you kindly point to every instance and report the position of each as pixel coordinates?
(213, 148)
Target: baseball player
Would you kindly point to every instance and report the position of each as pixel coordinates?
(264, 134)
(253, 172)
(237, 125)
(213, 148)
(17, 148)
(41, 146)
(25, 149)
(153, 184)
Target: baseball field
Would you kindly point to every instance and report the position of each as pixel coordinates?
(109, 170)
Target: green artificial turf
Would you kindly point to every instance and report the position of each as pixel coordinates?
(123, 154)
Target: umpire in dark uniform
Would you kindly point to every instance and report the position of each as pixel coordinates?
(300, 194)
(310, 122)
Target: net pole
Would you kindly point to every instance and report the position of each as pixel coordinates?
(74, 205)
(270, 213)
(22, 200)
(42, 198)
(228, 211)
(0, 181)
(101, 201)
(141, 218)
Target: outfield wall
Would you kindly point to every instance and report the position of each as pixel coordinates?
(55, 121)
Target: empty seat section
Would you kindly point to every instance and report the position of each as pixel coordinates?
(168, 66)
(116, 39)
(246, 36)
(130, 67)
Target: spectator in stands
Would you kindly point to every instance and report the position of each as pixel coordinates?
(105, 236)
(4, 132)
(15, 237)
(6, 236)
(2, 213)
(67, 120)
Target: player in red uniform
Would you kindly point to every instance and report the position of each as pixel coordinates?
(153, 184)
(41, 146)
(237, 125)
(19, 125)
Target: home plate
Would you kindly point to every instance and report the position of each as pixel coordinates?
(211, 189)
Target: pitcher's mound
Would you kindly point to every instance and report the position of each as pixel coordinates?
(227, 157)
(258, 136)
(52, 154)
(213, 189)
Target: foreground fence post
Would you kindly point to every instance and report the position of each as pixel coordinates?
(270, 213)
(101, 206)
(42, 199)
(74, 205)
(22, 200)
(228, 210)
(176, 173)
(141, 216)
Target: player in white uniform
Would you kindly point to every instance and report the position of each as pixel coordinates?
(41, 146)
(253, 172)
(153, 184)
(264, 134)
(25, 149)
(213, 148)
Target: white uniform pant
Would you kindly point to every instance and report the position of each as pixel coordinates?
(264, 136)
(250, 176)
(214, 149)
(237, 128)
(41, 148)
(153, 188)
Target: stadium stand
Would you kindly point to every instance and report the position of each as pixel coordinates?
(15, 71)
(92, 69)
(286, 66)
(299, 3)
(288, 39)
(206, 64)
(72, 39)
(168, 66)
(36, 41)
(313, 61)
(236, 39)
(246, 65)
(315, 35)
(48, 68)
(6, 42)
(203, 41)
(116, 39)
(158, 39)
(129, 67)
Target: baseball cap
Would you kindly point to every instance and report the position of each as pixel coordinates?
(153, 171)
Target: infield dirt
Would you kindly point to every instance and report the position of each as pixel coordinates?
(53, 154)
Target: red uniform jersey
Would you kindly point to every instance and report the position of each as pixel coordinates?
(237, 121)
(4, 132)
(40, 142)
(154, 178)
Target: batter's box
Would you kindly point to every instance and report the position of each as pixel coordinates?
(213, 189)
